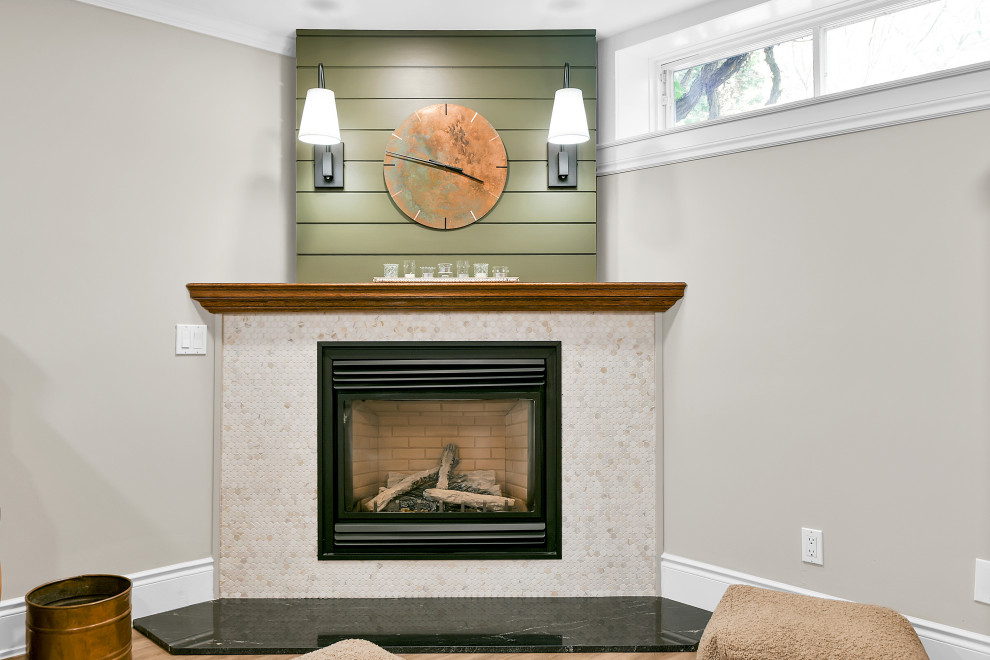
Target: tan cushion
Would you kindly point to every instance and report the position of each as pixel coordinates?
(757, 624)
(351, 649)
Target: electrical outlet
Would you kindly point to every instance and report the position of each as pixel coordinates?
(811, 546)
(981, 592)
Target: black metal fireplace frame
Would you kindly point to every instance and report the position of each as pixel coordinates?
(505, 525)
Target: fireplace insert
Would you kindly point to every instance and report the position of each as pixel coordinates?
(439, 450)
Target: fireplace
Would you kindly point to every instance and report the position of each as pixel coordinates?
(439, 450)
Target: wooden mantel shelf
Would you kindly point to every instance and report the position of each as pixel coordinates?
(437, 297)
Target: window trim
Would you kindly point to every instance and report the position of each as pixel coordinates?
(935, 94)
(815, 27)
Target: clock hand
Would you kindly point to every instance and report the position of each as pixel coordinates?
(429, 161)
(449, 167)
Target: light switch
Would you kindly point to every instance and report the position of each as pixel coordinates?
(199, 338)
(190, 339)
(981, 593)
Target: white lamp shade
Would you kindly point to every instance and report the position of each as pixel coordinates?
(568, 123)
(319, 123)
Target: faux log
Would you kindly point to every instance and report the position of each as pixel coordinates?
(475, 481)
(448, 459)
(475, 500)
(415, 480)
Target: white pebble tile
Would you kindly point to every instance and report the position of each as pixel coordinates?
(268, 522)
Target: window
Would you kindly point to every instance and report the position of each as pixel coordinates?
(868, 49)
(934, 36)
(774, 74)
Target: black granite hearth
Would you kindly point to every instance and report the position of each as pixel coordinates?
(254, 626)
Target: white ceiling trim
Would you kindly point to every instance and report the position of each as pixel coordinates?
(227, 29)
(271, 24)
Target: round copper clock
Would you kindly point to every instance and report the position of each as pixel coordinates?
(445, 166)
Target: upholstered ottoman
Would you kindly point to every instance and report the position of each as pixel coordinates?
(757, 624)
(351, 649)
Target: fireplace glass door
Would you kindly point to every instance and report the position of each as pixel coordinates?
(439, 450)
(440, 455)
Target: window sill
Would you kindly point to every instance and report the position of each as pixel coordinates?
(963, 90)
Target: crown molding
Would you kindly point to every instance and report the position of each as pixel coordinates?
(180, 17)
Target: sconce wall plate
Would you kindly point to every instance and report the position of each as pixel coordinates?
(332, 161)
(562, 165)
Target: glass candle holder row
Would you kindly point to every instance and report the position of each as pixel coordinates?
(462, 268)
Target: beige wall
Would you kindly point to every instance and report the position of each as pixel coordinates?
(829, 366)
(134, 158)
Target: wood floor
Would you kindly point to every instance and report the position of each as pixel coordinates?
(144, 649)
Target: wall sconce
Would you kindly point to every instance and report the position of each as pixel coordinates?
(568, 128)
(319, 126)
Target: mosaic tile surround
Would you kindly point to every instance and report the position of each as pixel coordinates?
(268, 517)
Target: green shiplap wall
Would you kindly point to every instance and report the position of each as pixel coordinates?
(379, 78)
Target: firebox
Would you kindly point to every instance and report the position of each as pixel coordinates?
(439, 450)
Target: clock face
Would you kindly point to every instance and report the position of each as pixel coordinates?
(445, 166)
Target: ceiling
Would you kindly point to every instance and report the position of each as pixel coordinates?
(271, 24)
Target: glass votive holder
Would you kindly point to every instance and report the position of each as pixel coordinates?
(427, 271)
(409, 268)
(481, 270)
(463, 268)
(445, 270)
(391, 270)
(500, 271)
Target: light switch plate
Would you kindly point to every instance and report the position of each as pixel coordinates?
(190, 339)
(981, 592)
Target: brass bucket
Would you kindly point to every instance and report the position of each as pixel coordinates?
(82, 617)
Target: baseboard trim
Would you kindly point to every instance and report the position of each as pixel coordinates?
(154, 591)
(702, 585)
(11, 627)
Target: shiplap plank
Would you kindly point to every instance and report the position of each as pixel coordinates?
(515, 207)
(531, 176)
(442, 50)
(387, 114)
(413, 238)
(528, 144)
(529, 268)
(532, 145)
(461, 82)
(365, 176)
